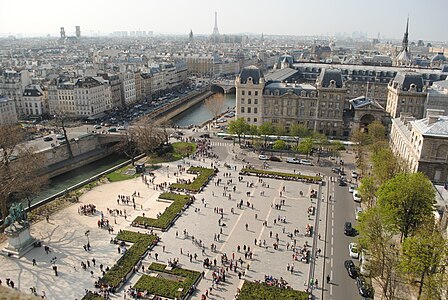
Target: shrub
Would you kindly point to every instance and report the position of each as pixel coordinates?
(204, 175)
(252, 290)
(280, 174)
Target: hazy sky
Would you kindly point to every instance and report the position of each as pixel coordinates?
(294, 17)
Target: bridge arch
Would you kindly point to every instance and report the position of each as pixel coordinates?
(217, 88)
(231, 90)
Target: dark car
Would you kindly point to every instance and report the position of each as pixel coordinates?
(274, 158)
(364, 289)
(348, 229)
(336, 170)
(228, 137)
(48, 139)
(342, 182)
(205, 136)
(351, 269)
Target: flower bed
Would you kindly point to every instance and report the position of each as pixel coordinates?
(280, 175)
(170, 213)
(165, 287)
(204, 176)
(126, 263)
(253, 290)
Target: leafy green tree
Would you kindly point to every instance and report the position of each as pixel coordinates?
(361, 139)
(367, 189)
(279, 145)
(299, 131)
(306, 146)
(376, 132)
(265, 130)
(385, 165)
(253, 131)
(238, 127)
(406, 200)
(422, 257)
(280, 130)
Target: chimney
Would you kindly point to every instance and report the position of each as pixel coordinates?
(433, 115)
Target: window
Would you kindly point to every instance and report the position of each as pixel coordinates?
(249, 93)
(248, 119)
(242, 109)
(256, 93)
(242, 100)
(249, 101)
(255, 110)
(255, 101)
(242, 93)
(255, 120)
(248, 110)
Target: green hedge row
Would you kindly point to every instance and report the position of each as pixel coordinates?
(204, 175)
(126, 263)
(92, 296)
(280, 174)
(165, 287)
(170, 213)
(252, 290)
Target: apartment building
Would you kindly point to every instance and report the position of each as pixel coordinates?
(8, 113)
(12, 85)
(35, 101)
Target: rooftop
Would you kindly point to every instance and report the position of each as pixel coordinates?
(428, 127)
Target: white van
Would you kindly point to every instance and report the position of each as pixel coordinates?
(357, 211)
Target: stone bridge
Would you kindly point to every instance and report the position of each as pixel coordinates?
(223, 86)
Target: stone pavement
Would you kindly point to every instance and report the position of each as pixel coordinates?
(65, 234)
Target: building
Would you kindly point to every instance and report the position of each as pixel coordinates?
(249, 90)
(35, 101)
(138, 86)
(422, 144)
(90, 98)
(128, 95)
(8, 113)
(12, 85)
(404, 57)
(114, 82)
(437, 96)
(407, 94)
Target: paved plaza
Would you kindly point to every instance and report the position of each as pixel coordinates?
(65, 233)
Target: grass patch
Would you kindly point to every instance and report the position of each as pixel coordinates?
(92, 296)
(165, 287)
(279, 175)
(170, 213)
(126, 263)
(179, 151)
(252, 290)
(204, 176)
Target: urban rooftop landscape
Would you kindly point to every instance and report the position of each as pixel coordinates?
(223, 150)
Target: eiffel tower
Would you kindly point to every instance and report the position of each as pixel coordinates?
(215, 29)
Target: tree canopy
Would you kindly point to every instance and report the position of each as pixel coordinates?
(239, 127)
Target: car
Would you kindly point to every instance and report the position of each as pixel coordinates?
(354, 174)
(293, 160)
(348, 229)
(342, 182)
(365, 260)
(60, 137)
(121, 128)
(221, 120)
(353, 250)
(336, 170)
(112, 129)
(205, 136)
(364, 289)
(228, 138)
(351, 269)
(97, 127)
(306, 162)
(48, 139)
(352, 188)
(275, 158)
(356, 196)
(358, 210)
(263, 157)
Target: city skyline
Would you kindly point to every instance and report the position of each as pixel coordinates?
(387, 18)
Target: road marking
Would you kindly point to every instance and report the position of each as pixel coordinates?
(267, 218)
(332, 254)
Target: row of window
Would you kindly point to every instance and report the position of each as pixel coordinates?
(249, 93)
(249, 110)
(249, 101)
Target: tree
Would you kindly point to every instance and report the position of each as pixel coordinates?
(253, 131)
(20, 168)
(299, 131)
(360, 139)
(367, 189)
(306, 146)
(406, 200)
(376, 132)
(279, 145)
(215, 104)
(385, 165)
(60, 119)
(423, 257)
(149, 136)
(129, 145)
(266, 129)
(238, 127)
(280, 130)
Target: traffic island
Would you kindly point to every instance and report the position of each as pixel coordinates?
(167, 281)
(204, 175)
(253, 290)
(280, 175)
(169, 216)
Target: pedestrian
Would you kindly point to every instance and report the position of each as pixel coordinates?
(94, 261)
(47, 217)
(34, 262)
(328, 278)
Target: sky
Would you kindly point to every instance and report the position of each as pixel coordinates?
(280, 17)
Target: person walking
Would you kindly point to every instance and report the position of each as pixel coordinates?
(328, 279)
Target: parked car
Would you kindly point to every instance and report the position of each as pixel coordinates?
(112, 129)
(228, 138)
(121, 128)
(60, 137)
(293, 160)
(364, 289)
(48, 139)
(351, 269)
(356, 196)
(205, 136)
(358, 210)
(352, 188)
(306, 162)
(342, 182)
(263, 157)
(353, 250)
(336, 170)
(354, 174)
(275, 158)
(97, 127)
(348, 229)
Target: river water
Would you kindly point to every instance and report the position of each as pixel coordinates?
(199, 113)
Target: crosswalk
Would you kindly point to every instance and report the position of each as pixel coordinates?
(221, 144)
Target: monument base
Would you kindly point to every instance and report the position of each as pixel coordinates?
(20, 240)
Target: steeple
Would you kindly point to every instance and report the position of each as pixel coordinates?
(405, 42)
(215, 29)
(190, 36)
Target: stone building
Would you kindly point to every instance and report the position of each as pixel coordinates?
(35, 101)
(8, 113)
(422, 144)
(249, 89)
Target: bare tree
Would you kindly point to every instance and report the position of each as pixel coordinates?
(148, 135)
(20, 168)
(61, 119)
(215, 104)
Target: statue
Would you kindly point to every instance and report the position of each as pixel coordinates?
(15, 214)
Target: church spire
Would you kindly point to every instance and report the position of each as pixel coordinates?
(405, 42)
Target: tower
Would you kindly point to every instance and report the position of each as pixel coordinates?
(62, 33)
(190, 36)
(215, 29)
(78, 32)
(405, 42)
(404, 57)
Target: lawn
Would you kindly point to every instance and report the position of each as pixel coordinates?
(279, 175)
(91, 296)
(124, 265)
(204, 176)
(260, 291)
(170, 213)
(180, 150)
(165, 287)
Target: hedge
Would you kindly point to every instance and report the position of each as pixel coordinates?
(91, 296)
(280, 174)
(165, 287)
(170, 213)
(204, 175)
(252, 290)
(126, 263)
